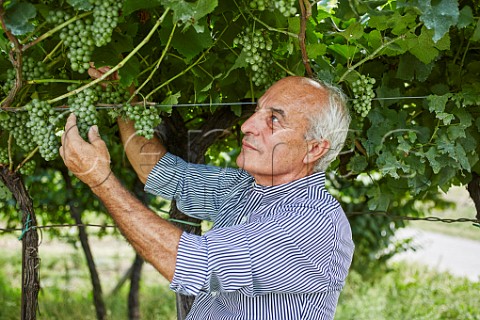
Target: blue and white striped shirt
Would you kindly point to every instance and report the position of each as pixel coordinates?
(279, 252)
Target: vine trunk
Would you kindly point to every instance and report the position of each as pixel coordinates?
(30, 260)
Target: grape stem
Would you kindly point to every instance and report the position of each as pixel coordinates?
(48, 56)
(27, 158)
(119, 65)
(269, 28)
(157, 65)
(37, 81)
(369, 57)
(284, 69)
(52, 31)
(187, 69)
(9, 148)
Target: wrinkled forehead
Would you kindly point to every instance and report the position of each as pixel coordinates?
(300, 93)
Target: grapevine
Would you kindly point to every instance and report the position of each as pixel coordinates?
(42, 124)
(257, 47)
(363, 92)
(83, 105)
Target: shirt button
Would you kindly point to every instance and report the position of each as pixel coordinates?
(243, 220)
(214, 293)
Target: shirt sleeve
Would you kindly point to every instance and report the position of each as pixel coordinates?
(282, 255)
(198, 189)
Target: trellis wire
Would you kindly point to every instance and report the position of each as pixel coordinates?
(474, 222)
(101, 106)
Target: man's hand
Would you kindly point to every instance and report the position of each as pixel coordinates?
(96, 73)
(90, 162)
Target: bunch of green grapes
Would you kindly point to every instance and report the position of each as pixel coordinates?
(42, 123)
(16, 124)
(286, 7)
(31, 70)
(77, 37)
(257, 48)
(146, 119)
(364, 94)
(28, 168)
(105, 19)
(113, 96)
(83, 105)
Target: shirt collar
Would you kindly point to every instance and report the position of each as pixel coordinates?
(316, 180)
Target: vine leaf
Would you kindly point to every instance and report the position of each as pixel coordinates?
(379, 200)
(18, 16)
(411, 67)
(437, 104)
(344, 50)
(431, 155)
(476, 33)
(465, 18)
(240, 62)
(315, 50)
(190, 13)
(357, 164)
(353, 31)
(423, 46)
(437, 15)
(170, 101)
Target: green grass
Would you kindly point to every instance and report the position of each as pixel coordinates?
(409, 292)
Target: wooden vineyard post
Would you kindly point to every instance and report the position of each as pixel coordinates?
(29, 237)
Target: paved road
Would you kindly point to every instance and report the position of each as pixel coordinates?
(458, 256)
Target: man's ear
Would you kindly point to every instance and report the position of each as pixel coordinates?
(316, 150)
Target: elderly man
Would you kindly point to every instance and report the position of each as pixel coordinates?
(280, 247)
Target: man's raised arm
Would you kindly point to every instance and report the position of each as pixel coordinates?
(142, 153)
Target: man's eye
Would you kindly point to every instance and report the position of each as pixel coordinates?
(274, 119)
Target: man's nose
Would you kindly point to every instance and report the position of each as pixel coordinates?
(251, 125)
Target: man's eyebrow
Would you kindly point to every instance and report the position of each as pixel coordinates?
(279, 111)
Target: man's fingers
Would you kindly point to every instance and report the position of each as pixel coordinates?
(71, 129)
(71, 122)
(94, 73)
(94, 135)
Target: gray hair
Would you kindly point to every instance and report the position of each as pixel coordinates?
(331, 123)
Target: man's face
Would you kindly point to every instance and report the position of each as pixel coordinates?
(274, 149)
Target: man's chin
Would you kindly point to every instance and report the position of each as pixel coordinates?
(240, 160)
